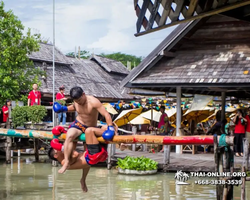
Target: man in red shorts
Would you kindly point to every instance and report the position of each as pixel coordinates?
(94, 154)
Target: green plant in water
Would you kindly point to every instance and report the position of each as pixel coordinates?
(137, 163)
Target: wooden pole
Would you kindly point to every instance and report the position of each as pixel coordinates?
(245, 153)
(36, 149)
(166, 156)
(109, 164)
(134, 130)
(127, 139)
(243, 195)
(8, 143)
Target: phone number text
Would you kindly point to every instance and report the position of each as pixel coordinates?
(218, 182)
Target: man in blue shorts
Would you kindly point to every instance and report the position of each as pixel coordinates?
(88, 108)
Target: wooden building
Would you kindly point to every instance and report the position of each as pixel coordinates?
(209, 56)
(97, 76)
(205, 56)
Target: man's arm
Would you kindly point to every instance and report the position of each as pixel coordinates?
(71, 108)
(101, 109)
(28, 102)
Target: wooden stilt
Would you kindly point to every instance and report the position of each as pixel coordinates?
(109, 165)
(36, 149)
(243, 195)
(134, 130)
(8, 149)
(54, 163)
(245, 162)
(8, 139)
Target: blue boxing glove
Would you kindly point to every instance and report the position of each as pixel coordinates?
(109, 133)
(58, 108)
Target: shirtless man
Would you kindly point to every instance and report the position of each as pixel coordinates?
(87, 108)
(95, 153)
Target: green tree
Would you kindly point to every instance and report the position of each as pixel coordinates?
(17, 72)
(83, 54)
(124, 58)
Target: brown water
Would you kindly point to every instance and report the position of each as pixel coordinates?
(25, 180)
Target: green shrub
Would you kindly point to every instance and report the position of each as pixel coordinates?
(36, 113)
(138, 163)
(23, 114)
(19, 115)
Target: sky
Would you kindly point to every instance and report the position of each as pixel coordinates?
(97, 26)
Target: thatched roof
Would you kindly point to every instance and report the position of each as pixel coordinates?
(46, 54)
(72, 72)
(110, 65)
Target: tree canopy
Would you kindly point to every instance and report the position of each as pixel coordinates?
(17, 72)
(83, 54)
(122, 57)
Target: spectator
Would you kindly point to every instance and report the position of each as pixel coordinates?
(5, 110)
(34, 97)
(161, 124)
(60, 96)
(239, 132)
(248, 125)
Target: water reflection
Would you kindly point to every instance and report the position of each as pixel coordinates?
(24, 179)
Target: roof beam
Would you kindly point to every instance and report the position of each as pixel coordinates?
(199, 16)
(167, 54)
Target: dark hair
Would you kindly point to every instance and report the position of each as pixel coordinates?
(61, 87)
(76, 92)
(237, 118)
(162, 107)
(8, 100)
(51, 154)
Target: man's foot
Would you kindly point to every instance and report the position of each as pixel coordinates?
(83, 186)
(63, 168)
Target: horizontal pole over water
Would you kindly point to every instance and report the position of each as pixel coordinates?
(127, 139)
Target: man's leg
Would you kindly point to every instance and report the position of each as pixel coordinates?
(83, 179)
(71, 135)
(64, 116)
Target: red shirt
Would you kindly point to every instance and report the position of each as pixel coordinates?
(239, 127)
(248, 123)
(59, 96)
(5, 116)
(161, 122)
(35, 97)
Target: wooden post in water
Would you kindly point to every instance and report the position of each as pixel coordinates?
(36, 149)
(8, 143)
(217, 159)
(109, 165)
(144, 146)
(54, 163)
(134, 130)
(166, 157)
(243, 185)
(245, 162)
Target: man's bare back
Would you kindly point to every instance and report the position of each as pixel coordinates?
(77, 161)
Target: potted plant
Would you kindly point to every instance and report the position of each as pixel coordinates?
(35, 115)
(137, 165)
